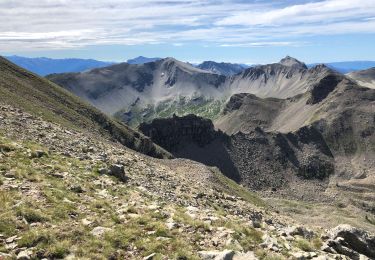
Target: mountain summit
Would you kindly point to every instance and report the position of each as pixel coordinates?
(292, 62)
(142, 60)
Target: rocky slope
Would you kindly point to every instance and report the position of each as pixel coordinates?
(365, 78)
(39, 96)
(287, 78)
(139, 93)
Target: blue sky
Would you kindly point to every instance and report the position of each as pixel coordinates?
(253, 31)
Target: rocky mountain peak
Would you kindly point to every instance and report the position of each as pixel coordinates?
(142, 60)
(170, 63)
(292, 62)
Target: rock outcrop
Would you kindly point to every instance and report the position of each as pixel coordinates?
(247, 158)
(173, 132)
(350, 241)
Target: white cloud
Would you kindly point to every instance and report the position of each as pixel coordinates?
(262, 44)
(319, 12)
(59, 24)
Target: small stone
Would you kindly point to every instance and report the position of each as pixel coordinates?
(256, 223)
(118, 171)
(171, 225)
(10, 239)
(287, 246)
(5, 256)
(25, 254)
(216, 255)
(163, 238)
(103, 171)
(86, 222)
(58, 175)
(37, 154)
(299, 231)
(11, 246)
(9, 175)
(99, 231)
(77, 189)
(149, 257)
(192, 209)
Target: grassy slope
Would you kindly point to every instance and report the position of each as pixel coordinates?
(205, 108)
(41, 97)
(57, 209)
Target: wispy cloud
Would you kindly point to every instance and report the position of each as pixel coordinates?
(59, 24)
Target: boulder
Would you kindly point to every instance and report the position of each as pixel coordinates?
(298, 231)
(216, 255)
(245, 256)
(118, 171)
(24, 255)
(356, 240)
(339, 248)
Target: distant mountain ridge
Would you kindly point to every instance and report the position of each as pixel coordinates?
(137, 93)
(222, 68)
(365, 78)
(347, 66)
(44, 66)
(142, 60)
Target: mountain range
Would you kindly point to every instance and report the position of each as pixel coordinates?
(45, 66)
(139, 93)
(77, 183)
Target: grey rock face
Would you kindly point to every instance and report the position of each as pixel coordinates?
(357, 240)
(172, 132)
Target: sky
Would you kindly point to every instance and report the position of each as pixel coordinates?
(242, 31)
